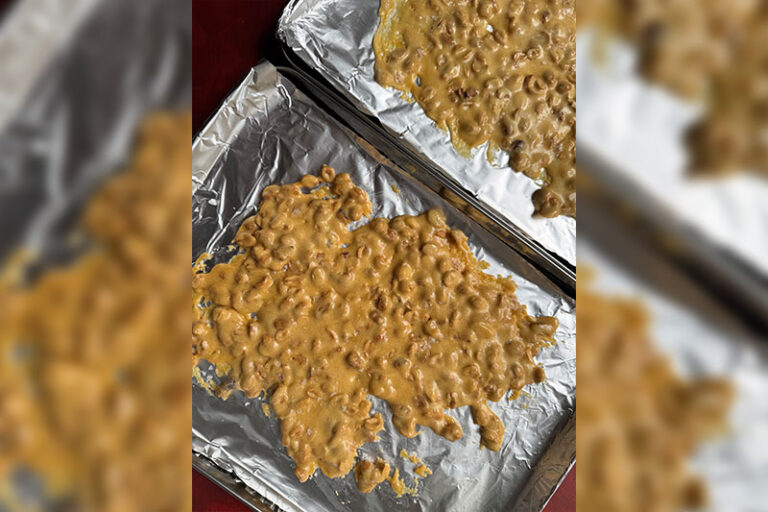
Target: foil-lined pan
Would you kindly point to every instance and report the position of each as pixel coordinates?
(631, 136)
(701, 338)
(269, 132)
(334, 38)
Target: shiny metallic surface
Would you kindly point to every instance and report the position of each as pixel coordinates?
(639, 128)
(71, 98)
(268, 132)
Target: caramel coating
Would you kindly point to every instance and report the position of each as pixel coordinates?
(422, 471)
(638, 422)
(492, 70)
(322, 317)
(370, 474)
(731, 136)
(99, 405)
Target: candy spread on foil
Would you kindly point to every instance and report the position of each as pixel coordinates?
(498, 71)
(321, 316)
(708, 49)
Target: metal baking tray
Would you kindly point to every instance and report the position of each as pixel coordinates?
(330, 42)
(630, 142)
(269, 131)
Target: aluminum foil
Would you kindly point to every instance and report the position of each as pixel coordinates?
(29, 41)
(75, 82)
(268, 132)
(76, 78)
(700, 339)
(638, 127)
(335, 37)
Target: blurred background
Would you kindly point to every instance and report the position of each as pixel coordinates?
(673, 275)
(95, 132)
(95, 126)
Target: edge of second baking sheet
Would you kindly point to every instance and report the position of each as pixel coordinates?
(334, 39)
(554, 268)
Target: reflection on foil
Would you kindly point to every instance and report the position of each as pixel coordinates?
(639, 129)
(78, 120)
(268, 132)
(336, 39)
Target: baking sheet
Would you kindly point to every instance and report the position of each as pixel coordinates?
(638, 128)
(700, 339)
(269, 132)
(335, 37)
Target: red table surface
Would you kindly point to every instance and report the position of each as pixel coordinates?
(229, 37)
(4, 4)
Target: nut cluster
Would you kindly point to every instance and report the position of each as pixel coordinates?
(492, 70)
(323, 316)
